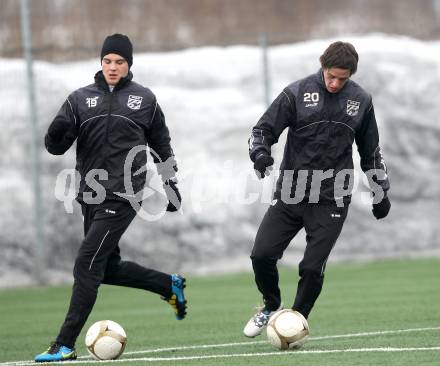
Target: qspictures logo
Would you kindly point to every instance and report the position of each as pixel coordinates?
(219, 183)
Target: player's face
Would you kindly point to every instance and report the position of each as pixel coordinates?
(335, 78)
(114, 68)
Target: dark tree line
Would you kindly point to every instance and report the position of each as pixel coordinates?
(74, 29)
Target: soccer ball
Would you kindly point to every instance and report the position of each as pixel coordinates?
(106, 340)
(287, 329)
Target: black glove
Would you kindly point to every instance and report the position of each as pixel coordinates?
(262, 165)
(58, 129)
(381, 209)
(173, 195)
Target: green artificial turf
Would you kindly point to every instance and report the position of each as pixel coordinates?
(367, 314)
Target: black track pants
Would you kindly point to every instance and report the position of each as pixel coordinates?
(98, 261)
(322, 223)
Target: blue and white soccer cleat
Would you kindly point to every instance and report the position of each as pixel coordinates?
(177, 299)
(55, 353)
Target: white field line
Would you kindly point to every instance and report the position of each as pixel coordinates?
(238, 344)
(236, 355)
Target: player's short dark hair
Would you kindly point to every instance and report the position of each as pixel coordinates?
(342, 55)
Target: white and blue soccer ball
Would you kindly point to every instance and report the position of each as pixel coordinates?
(106, 340)
(287, 329)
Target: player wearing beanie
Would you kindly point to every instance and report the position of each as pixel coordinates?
(109, 120)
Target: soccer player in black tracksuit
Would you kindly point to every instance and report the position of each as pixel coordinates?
(324, 113)
(109, 119)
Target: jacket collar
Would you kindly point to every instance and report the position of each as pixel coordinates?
(102, 84)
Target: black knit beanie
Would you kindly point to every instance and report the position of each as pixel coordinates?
(119, 44)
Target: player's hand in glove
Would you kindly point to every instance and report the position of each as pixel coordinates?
(173, 195)
(381, 209)
(263, 165)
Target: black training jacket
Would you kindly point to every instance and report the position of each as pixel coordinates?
(321, 130)
(107, 125)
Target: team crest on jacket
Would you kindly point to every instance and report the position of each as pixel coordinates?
(353, 107)
(134, 102)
